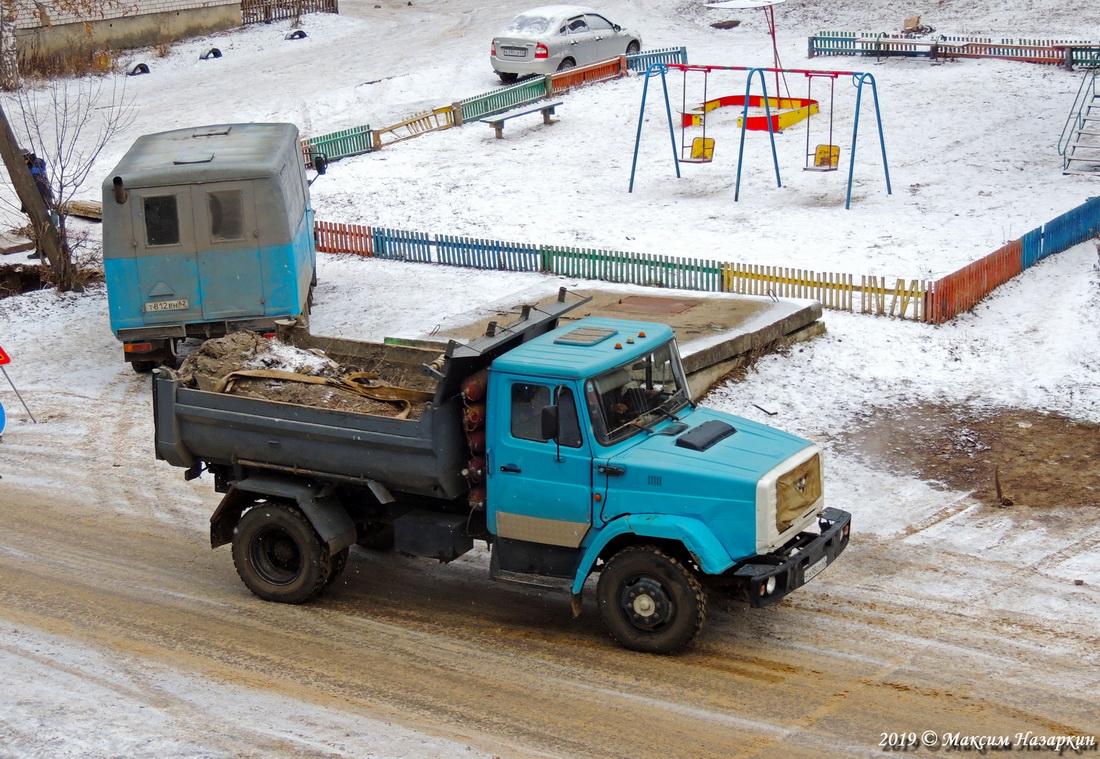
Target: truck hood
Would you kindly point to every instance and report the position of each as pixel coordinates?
(713, 481)
(747, 453)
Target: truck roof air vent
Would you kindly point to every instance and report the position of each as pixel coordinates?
(586, 336)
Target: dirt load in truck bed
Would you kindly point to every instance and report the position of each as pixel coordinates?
(248, 364)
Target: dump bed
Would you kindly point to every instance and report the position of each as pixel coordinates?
(423, 456)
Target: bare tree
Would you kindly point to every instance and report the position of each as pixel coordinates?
(68, 123)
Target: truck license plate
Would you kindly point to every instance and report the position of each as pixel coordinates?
(168, 305)
(815, 569)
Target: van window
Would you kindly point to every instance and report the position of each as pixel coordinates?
(162, 221)
(226, 214)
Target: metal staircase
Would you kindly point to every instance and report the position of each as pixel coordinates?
(1079, 144)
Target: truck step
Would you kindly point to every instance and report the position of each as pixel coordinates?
(557, 584)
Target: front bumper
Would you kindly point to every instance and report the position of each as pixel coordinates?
(795, 564)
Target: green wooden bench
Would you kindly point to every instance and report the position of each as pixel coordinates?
(497, 121)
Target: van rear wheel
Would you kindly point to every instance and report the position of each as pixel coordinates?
(649, 601)
(278, 555)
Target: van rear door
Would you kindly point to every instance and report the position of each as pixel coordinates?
(164, 246)
(227, 240)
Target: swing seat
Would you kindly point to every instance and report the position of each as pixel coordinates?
(826, 158)
(702, 151)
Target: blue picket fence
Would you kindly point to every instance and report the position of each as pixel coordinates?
(1062, 233)
(401, 245)
(1072, 228)
(642, 61)
(487, 254)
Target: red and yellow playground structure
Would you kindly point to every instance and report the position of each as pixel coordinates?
(788, 111)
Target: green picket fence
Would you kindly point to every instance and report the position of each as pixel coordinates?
(633, 268)
(342, 144)
(505, 98)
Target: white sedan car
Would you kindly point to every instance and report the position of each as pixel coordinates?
(558, 37)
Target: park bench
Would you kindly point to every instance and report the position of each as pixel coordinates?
(497, 121)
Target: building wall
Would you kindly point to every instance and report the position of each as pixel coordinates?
(45, 31)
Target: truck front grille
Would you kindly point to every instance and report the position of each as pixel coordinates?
(796, 492)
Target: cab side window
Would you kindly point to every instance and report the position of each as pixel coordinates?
(162, 221)
(527, 404)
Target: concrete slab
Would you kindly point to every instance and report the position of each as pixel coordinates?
(716, 331)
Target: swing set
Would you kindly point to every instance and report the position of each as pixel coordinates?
(822, 157)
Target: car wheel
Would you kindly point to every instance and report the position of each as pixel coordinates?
(633, 48)
(506, 77)
(567, 64)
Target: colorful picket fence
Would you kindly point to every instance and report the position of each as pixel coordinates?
(360, 140)
(835, 291)
(933, 302)
(1069, 53)
(962, 290)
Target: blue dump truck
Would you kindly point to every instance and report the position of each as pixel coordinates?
(570, 450)
(205, 231)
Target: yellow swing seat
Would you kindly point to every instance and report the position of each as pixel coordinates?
(826, 158)
(702, 151)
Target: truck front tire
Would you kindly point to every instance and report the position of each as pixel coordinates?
(278, 554)
(649, 601)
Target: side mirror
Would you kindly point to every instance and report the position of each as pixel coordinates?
(549, 421)
(320, 163)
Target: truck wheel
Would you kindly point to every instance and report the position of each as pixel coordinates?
(143, 367)
(278, 554)
(649, 601)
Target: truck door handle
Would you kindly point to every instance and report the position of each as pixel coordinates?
(611, 471)
(511, 468)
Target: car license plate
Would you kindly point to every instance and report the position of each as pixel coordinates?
(514, 52)
(168, 305)
(815, 569)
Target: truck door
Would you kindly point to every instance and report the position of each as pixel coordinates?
(227, 240)
(164, 250)
(539, 490)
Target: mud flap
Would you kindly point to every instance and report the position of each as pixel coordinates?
(323, 510)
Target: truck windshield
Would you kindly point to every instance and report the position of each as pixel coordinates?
(636, 395)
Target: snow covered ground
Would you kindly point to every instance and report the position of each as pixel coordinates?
(971, 148)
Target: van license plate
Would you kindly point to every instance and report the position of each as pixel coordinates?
(815, 569)
(168, 305)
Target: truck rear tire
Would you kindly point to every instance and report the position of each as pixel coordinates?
(649, 601)
(278, 554)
